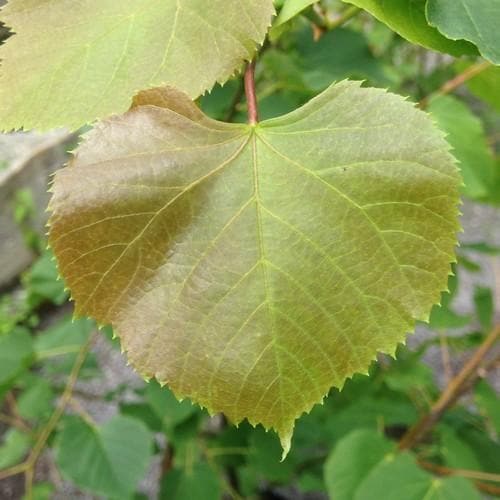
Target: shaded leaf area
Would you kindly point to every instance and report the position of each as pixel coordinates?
(467, 137)
(70, 63)
(109, 459)
(188, 235)
(472, 20)
(290, 9)
(407, 17)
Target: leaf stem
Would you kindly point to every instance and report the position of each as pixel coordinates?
(450, 395)
(253, 113)
(457, 81)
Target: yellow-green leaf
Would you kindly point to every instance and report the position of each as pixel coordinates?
(252, 268)
(72, 62)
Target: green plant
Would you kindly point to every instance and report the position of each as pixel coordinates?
(253, 266)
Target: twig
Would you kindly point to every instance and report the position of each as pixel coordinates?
(253, 114)
(28, 466)
(477, 476)
(15, 422)
(457, 81)
(449, 396)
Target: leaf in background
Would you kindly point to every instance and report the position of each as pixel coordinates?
(41, 491)
(483, 300)
(472, 20)
(398, 477)
(109, 459)
(72, 62)
(253, 268)
(16, 352)
(407, 17)
(14, 446)
(36, 401)
(65, 337)
(290, 9)
(488, 403)
(456, 453)
(323, 62)
(485, 85)
(466, 136)
(195, 482)
(351, 461)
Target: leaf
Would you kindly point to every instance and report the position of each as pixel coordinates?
(485, 307)
(398, 477)
(472, 20)
(13, 448)
(16, 352)
(351, 461)
(407, 18)
(290, 9)
(253, 268)
(36, 401)
(70, 63)
(198, 482)
(466, 136)
(487, 401)
(108, 460)
(485, 85)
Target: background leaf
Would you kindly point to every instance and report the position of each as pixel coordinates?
(220, 310)
(109, 459)
(472, 20)
(70, 63)
(407, 17)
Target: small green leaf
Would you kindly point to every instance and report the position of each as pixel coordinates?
(351, 461)
(398, 477)
(107, 460)
(488, 403)
(290, 9)
(407, 17)
(483, 299)
(466, 136)
(472, 20)
(36, 401)
(13, 448)
(198, 482)
(41, 491)
(70, 63)
(220, 251)
(166, 406)
(457, 453)
(16, 352)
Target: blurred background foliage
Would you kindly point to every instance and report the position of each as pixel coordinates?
(66, 431)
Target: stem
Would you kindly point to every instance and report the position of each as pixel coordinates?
(348, 14)
(449, 396)
(477, 476)
(253, 113)
(458, 80)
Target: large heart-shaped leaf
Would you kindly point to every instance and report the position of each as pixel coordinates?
(407, 17)
(72, 62)
(252, 268)
(473, 20)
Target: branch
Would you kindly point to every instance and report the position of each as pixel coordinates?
(477, 476)
(457, 81)
(253, 114)
(450, 395)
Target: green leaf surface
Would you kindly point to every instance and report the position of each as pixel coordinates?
(290, 9)
(407, 17)
(14, 446)
(488, 403)
(70, 63)
(198, 482)
(466, 135)
(351, 461)
(485, 85)
(472, 20)
(398, 477)
(253, 268)
(108, 460)
(36, 401)
(16, 351)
